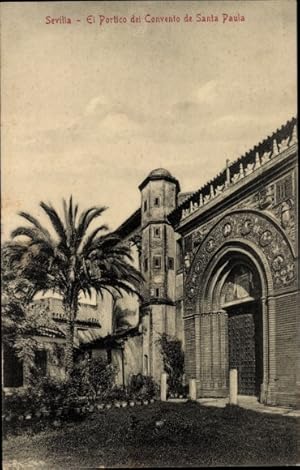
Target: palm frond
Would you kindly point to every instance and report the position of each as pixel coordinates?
(55, 220)
(86, 218)
(71, 211)
(118, 285)
(28, 232)
(13, 251)
(68, 222)
(34, 221)
(90, 238)
(87, 291)
(75, 212)
(102, 244)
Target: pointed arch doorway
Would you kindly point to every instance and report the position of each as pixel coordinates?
(237, 291)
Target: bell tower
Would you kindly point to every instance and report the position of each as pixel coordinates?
(158, 198)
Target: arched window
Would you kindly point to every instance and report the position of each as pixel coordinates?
(240, 284)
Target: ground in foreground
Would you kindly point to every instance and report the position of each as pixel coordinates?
(157, 435)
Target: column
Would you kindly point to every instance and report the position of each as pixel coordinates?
(213, 378)
(271, 391)
(265, 326)
(190, 346)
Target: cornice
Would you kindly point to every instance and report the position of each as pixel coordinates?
(235, 193)
(264, 154)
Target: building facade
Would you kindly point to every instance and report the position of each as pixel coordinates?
(221, 272)
(220, 268)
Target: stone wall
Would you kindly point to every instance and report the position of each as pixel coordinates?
(132, 360)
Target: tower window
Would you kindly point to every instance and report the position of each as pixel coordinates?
(145, 265)
(145, 206)
(157, 202)
(170, 263)
(157, 232)
(157, 262)
(157, 292)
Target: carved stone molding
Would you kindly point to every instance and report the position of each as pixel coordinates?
(248, 225)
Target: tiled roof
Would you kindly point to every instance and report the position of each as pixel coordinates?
(130, 224)
(53, 332)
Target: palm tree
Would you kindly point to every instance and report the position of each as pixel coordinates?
(73, 261)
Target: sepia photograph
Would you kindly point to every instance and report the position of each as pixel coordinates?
(149, 234)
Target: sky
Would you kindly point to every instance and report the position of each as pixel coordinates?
(90, 110)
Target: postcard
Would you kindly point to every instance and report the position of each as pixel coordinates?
(149, 234)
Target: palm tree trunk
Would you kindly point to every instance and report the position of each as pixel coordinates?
(69, 350)
(69, 353)
(71, 306)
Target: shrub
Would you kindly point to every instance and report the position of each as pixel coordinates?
(22, 401)
(52, 392)
(173, 359)
(17, 403)
(93, 378)
(90, 379)
(118, 393)
(142, 387)
(101, 376)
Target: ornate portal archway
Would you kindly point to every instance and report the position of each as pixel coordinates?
(229, 303)
(236, 290)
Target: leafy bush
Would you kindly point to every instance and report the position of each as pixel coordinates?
(93, 378)
(18, 403)
(118, 393)
(173, 359)
(101, 376)
(142, 387)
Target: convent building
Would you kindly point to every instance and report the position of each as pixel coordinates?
(221, 272)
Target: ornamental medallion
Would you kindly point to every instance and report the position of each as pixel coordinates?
(266, 238)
